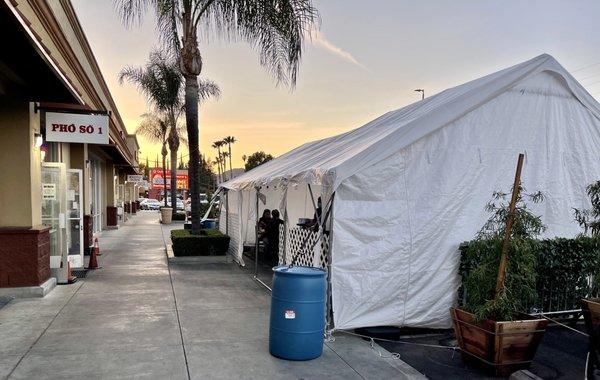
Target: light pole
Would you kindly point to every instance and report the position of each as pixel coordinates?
(422, 91)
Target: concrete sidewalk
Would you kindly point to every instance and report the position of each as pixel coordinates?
(138, 316)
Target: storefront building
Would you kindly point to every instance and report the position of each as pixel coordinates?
(64, 149)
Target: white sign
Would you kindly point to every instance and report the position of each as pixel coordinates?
(135, 178)
(72, 127)
(48, 191)
(290, 314)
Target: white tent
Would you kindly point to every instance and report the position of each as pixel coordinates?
(411, 185)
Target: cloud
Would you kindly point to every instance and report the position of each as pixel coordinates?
(321, 41)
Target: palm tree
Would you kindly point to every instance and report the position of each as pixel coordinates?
(155, 129)
(217, 162)
(217, 145)
(230, 140)
(225, 155)
(162, 83)
(275, 28)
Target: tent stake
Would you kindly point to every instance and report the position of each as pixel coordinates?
(509, 224)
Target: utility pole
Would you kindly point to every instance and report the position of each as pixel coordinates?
(422, 91)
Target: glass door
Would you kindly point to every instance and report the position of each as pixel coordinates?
(96, 174)
(53, 216)
(121, 202)
(74, 218)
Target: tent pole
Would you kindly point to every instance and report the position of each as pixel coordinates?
(227, 218)
(256, 243)
(255, 277)
(329, 316)
(285, 228)
(312, 198)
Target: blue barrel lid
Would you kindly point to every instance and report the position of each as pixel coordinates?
(299, 270)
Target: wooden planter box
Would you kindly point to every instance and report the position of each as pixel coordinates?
(591, 314)
(500, 347)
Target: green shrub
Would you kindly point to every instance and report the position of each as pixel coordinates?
(479, 269)
(480, 260)
(208, 243)
(550, 274)
(214, 212)
(179, 216)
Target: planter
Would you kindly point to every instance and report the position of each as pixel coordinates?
(591, 314)
(166, 214)
(208, 243)
(501, 347)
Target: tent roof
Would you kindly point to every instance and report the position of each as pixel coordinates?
(330, 161)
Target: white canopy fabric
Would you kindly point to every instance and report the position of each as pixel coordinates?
(330, 161)
(411, 185)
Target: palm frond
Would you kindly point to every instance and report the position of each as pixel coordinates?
(208, 89)
(167, 13)
(275, 28)
(159, 80)
(153, 128)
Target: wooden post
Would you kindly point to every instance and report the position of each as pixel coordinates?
(509, 225)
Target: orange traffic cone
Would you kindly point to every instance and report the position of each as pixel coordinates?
(70, 278)
(93, 259)
(97, 247)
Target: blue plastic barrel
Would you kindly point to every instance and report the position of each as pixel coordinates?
(297, 313)
(209, 224)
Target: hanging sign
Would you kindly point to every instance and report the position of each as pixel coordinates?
(77, 128)
(135, 178)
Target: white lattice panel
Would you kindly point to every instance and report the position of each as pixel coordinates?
(302, 249)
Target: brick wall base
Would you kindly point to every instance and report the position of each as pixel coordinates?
(111, 216)
(88, 233)
(24, 256)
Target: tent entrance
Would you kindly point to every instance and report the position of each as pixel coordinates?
(304, 236)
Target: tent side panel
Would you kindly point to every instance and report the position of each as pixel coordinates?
(371, 248)
(450, 176)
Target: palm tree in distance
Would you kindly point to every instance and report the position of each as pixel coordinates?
(230, 140)
(225, 155)
(155, 130)
(217, 162)
(277, 29)
(217, 145)
(162, 84)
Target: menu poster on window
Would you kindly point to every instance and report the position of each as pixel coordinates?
(48, 191)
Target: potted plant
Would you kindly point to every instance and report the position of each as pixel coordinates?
(589, 220)
(491, 327)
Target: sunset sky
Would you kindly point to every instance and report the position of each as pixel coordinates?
(367, 59)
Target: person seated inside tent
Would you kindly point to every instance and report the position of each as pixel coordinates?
(263, 227)
(314, 223)
(273, 237)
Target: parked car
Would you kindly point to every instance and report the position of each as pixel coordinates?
(152, 204)
(180, 205)
(203, 198)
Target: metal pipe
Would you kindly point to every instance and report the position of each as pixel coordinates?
(227, 220)
(329, 316)
(255, 277)
(256, 235)
(285, 228)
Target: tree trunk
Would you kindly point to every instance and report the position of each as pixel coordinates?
(164, 170)
(219, 169)
(230, 168)
(174, 178)
(191, 118)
